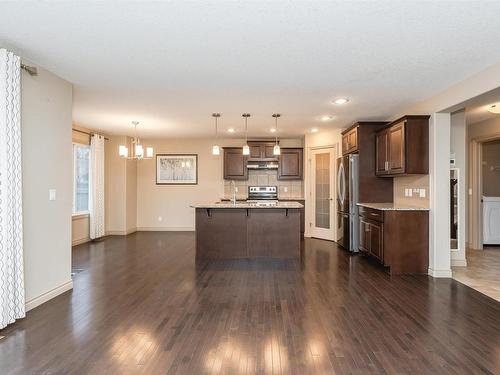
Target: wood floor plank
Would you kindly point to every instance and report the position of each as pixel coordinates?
(142, 304)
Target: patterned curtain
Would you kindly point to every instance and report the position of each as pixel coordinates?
(12, 303)
(96, 186)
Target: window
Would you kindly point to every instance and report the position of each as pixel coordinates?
(81, 167)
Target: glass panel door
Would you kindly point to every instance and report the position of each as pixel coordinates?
(322, 181)
(322, 193)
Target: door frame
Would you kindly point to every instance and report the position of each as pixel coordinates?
(310, 187)
(475, 219)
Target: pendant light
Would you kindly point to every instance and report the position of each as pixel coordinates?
(216, 147)
(246, 148)
(138, 149)
(276, 148)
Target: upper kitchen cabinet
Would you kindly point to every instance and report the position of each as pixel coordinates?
(235, 164)
(402, 148)
(261, 151)
(290, 164)
(350, 140)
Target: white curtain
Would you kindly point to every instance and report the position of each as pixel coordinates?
(96, 186)
(12, 303)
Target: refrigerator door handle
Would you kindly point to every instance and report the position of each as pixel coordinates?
(341, 185)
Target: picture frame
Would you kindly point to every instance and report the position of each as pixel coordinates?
(176, 169)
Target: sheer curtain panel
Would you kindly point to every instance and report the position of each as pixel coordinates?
(96, 201)
(12, 302)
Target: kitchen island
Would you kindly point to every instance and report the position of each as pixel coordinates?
(226, 230)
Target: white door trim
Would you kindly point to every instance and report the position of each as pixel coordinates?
(327, 234)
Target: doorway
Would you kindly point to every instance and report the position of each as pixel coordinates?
(322, 193)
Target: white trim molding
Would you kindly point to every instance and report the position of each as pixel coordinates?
(80, 241)
(458, 262)
(444, 274)
(121, 232)
(165, 229)
(45, 297)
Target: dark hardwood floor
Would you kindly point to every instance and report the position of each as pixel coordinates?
(142, 305)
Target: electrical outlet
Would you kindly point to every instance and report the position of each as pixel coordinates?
(160, 218)
(407, 192)
(422, 193)
(285, 189)
(236, 189)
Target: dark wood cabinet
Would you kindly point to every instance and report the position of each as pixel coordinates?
(398, 239)
(381, 156)
(290, 164)
(261, 151)
(370, 238)
(350, 140)
(403, 147)
(235, 164)
(371, 188)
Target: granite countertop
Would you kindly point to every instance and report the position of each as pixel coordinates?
(224, 199)
(241, 204)
(392, 207)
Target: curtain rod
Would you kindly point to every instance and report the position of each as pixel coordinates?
(90, 134)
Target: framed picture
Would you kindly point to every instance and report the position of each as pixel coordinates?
(176, 169)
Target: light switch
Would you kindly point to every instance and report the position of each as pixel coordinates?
(235, 189)
(160, 218)
(422, 193)
(52, 194)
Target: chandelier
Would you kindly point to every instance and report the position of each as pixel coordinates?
(137, 148)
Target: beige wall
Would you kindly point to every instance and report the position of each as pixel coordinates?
(163, 207)
(79, 229)
(491, 169)
(131, 196)
(485, 128)
(411, 182)
(47, 164)
(120, 189)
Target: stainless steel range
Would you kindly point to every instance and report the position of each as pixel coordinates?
(263, 195)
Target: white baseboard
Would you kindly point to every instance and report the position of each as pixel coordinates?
(459, 263)
(121, 232)
(80, 241)
(439, 273)
(166, 229)
(37, 301)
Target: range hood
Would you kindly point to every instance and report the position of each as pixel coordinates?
(262, 165)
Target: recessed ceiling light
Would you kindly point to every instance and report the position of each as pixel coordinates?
(231, 130)
(495, 108)
(272, 130)
(326, 118)
(341, 101)
(314, 130)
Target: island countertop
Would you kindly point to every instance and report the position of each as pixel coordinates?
(242, 204)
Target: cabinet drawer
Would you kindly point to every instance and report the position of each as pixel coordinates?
(372, 214)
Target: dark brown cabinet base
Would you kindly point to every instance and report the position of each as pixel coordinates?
(232, 233)
(398, 239)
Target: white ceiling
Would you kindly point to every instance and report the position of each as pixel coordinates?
(171, 64)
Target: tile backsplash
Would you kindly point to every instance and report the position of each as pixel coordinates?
(286, 189)
(413, 183)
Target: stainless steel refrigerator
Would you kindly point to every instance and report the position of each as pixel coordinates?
(347, 199)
